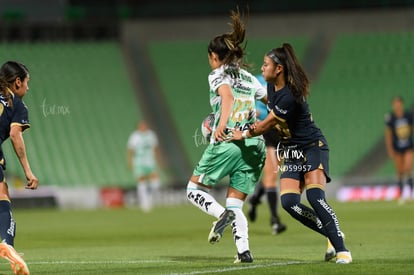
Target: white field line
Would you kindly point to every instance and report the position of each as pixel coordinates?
(99, 262)
(240, 267)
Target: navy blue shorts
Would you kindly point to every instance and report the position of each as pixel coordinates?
(300, 161)
(400, 150)
(2, 165)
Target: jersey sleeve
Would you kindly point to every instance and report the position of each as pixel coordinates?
(217, 78)
(387, 119)
(284, 106)
(410, 117)
(260, 90)
(155, 138)
(20, 115)
(131, 142)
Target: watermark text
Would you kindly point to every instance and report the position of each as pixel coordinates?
(54, 110)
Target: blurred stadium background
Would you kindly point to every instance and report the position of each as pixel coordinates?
(97, 67)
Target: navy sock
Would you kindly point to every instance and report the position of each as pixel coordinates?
(305, 215)
(410, 183)
(7, 224)
(272, 201)
(326, 214)
(258, 193)
(401, 187)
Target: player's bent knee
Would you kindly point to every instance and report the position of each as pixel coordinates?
(194, 187)
(288, 200)
(314, 196)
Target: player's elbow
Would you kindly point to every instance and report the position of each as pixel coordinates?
(15, 134)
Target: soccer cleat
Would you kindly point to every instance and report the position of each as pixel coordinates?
(343, 257)
(17, 264)
(217, 230)
(278, 228)
(330, 251)
(245, 257)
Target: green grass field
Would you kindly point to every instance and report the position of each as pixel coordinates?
(173, 240)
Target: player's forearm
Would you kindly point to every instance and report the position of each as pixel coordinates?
(20, 150)
(259, 128)
(226, 108)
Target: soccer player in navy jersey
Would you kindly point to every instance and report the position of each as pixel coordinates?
(399, 142)
(14, 78)
(302, 146)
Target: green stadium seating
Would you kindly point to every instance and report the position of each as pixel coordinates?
(82, 105)
(82, 109)
(357, 83)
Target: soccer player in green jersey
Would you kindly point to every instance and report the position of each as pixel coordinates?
(233, 92)
(142, 156)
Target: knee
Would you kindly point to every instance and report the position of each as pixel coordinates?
(315, 196)
(191, 186)
(288, 200)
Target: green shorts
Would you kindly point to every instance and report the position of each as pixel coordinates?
(144, 170)
(242, 161)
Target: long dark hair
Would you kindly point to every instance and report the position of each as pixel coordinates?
(295, 76)
(9, 72)
(228, 46)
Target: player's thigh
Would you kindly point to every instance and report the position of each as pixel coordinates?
(315, 177)
(290, 185)
(270, 169)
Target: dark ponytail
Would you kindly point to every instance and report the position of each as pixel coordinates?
(228, 46)
(295, 76)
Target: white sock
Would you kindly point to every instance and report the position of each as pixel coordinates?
(239, 225)
(155, 184)
(203, 200)
(155, 190)
(144, 199)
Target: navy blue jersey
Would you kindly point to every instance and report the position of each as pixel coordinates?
(11, 115)
(295, 124)
(402, 130)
